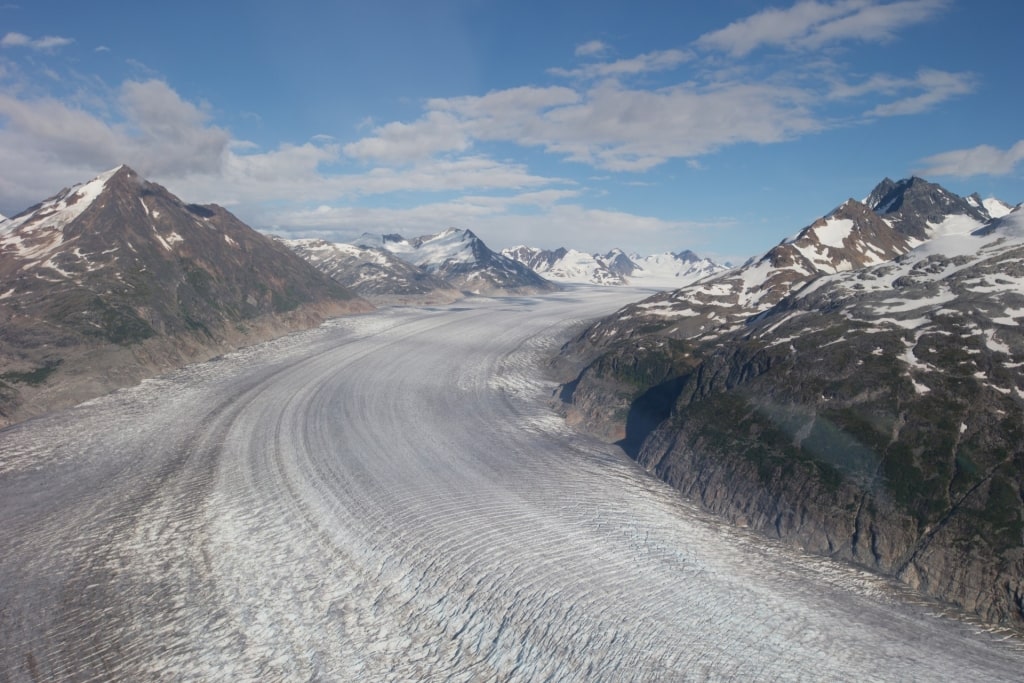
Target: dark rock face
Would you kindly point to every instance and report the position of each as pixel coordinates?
(687, 256)
(914, 206)
(120, 262)
(873, 414)
(619, 264)
(537, 260)
(826, 441)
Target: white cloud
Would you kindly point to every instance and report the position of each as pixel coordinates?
(591, 48)
(936, 87)
(168, 134)
(608, 126)
(812, 24)
(13, 39)
(449, 124)
(46, 143)
(878, 83)
(980, 160)
(661, 60)
(402, 142)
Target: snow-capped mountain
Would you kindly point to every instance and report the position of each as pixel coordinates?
(894, 219)
(462, 259)
(615, 268)
(117, 262)
(373, 272)
(865, 406)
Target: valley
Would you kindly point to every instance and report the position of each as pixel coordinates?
(391, 497)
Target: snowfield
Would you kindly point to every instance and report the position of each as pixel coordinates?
(389, 497)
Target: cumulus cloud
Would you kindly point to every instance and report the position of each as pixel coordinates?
(980, 160)
(13, 39)
(46, 140)
(812, 24)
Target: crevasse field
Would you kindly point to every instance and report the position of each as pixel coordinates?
(390, 497)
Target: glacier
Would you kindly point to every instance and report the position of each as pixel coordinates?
(390, 497)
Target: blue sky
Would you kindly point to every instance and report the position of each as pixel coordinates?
(652, 126)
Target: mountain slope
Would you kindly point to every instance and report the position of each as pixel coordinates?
(462, 259)
(872, 415)
(117, 268)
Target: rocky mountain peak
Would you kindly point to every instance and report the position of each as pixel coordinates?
(916, 207)
(687, 256)
(618, 263)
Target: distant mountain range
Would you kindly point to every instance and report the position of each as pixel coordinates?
(615, 267)
(116, 279)
(456, 262)
(858, 390)
(443, 266)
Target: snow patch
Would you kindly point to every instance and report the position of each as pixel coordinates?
(834, 232)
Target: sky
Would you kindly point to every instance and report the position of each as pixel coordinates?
(649, 126)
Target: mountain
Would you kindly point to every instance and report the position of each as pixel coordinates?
(374, 273)
(863, 405)
(854, 235)
(614, 268)
(461, 258)
(116, 279)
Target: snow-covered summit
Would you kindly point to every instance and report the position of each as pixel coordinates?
(64, 207)
(996, 208)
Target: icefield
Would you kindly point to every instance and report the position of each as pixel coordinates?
(391, 498)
